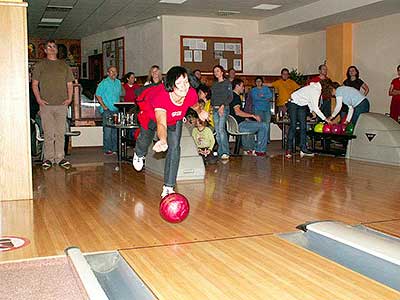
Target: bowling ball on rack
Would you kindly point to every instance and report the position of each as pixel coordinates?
(174, 208)
(350, 128)
(327, 128)
(337, 129)
(319, 127)
(342, 129)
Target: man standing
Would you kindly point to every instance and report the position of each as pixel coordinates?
(326, 99)
(108, 93)
(55, 80)
(284, 87)
(248, 123)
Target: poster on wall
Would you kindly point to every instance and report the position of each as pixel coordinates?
(114, 55)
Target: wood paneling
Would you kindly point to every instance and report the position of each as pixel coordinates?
(339, 50)
(15, 153)
(264, 267)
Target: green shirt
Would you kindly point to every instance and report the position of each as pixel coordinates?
(53, 76)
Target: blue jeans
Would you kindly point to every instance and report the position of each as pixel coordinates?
(297, 114)
(262, 135)
(174, 133)
(361, 108)
(265, 116)
(220, 129)
(109, 134)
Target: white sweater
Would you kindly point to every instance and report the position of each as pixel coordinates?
(309, 95)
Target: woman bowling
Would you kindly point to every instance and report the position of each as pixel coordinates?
(353, 98)
(300, 101)
(166, 105)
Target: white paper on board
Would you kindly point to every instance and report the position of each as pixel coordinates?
(224, 63)
(197, 56)
(237, 64)
(188, 56)
(219, 46)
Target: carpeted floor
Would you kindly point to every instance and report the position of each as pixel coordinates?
(40, 279)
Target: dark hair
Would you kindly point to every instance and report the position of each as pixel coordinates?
(335, 85)
(231, 69)
(285, 69)
(205, 89)
(196, 70)
(193, 80)
(126, 77)
(236, 81)
(172, 75)
(259, 77)
(398, 67)
(222, 70)
(320, 67)
(348, 72)
(50, 42)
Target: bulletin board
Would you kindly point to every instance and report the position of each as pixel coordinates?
(204, 52)
(114, 55)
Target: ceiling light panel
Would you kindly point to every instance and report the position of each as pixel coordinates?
(267, 6)
(173, 1)
(51, 20)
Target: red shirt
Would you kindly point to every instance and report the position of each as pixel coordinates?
(396, 86)
(130, 95)
(160, 99)
(314, 79)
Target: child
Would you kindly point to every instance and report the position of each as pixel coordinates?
(204, 140)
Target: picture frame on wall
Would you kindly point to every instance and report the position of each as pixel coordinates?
(114, 55)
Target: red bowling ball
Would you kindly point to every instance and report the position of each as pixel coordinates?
(327, 128)
(343, 129)
(337, 129)
(174, 208)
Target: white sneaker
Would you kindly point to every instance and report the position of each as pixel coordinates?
(224, 156)
(250, 152)
(138, 162)
(306, 152)
(166, 190)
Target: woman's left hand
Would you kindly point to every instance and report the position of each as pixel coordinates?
(160, 146)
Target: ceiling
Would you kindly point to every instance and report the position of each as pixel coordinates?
(91, 16)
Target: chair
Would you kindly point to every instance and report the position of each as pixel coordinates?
(68, 134)
(232, 127)
(37, 140)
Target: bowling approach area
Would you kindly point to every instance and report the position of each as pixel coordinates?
(241, 239)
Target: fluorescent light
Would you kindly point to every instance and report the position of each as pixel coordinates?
(173, 1)
(267, 6)
(51, 20)
(225, 13)
(60, 6)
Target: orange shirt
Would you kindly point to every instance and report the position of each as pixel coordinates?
(284, 88)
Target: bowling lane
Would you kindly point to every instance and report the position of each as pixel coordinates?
(389, 227)
(263, 267)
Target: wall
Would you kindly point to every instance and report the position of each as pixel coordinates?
(375, 44)
(262, 54)
(376, 54)
(94, 42)
(312, 52)
(142, 45)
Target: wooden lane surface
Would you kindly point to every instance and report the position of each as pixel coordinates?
(98, 208)
(263, 267)
(389, 227)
